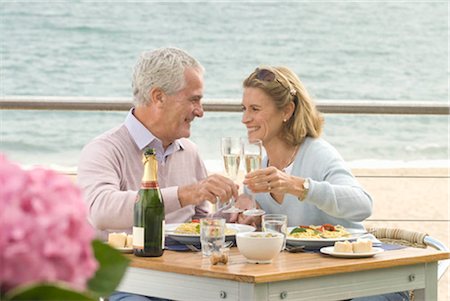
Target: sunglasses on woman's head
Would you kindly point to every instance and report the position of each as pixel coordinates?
(269, 76)
(265, 75)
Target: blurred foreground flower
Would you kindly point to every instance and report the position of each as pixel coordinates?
(46, 244)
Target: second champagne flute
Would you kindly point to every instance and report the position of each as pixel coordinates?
(252, 153)
(231, 154)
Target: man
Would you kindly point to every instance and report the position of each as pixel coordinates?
(167, 92)
(167, 89)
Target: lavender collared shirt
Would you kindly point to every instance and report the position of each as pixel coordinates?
(143, 137)
(110, 171)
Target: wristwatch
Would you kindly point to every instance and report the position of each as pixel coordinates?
(305, 190)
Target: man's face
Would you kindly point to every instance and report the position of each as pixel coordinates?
(180, 109)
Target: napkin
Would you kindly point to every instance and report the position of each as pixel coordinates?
(375, 241)
(174, 245)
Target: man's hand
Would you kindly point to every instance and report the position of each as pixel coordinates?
(244, 202)
(214, 188)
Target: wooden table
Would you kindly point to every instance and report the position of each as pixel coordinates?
(300, 276)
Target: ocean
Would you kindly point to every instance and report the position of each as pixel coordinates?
(359, 50)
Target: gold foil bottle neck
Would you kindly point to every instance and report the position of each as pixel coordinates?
(150, 165)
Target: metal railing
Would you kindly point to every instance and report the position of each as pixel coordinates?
(224, 105)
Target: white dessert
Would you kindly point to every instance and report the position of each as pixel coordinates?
(362, 246)
(343, 247)
(129, 242)
(117, 240)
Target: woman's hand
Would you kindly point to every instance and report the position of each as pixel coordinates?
(271, 180)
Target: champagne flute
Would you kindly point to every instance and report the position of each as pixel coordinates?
(231, 154)
(252, 153)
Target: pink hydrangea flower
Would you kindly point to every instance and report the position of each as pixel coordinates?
(44, 233)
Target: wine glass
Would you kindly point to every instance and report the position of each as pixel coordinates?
(231, 154)
(252, 153)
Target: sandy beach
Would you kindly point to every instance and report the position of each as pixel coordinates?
(416, 199)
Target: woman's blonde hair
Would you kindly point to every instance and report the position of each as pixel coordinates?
(285, 87)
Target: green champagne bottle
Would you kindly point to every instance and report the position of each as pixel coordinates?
(148, 227)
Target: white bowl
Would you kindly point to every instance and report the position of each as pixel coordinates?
(259, 247)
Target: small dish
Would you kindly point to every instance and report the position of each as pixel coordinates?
(259, 247)
(330, 251)
(125, 250)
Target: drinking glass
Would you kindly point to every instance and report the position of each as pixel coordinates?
(252, 153)
(231, 154)
(212, 234)
(275, 223)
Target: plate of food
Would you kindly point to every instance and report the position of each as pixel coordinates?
(189, 233)
(331, 251)
(318, 236)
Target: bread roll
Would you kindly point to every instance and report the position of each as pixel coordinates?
(362, 246)
(129, 243)
(117, 240)
(343, 247)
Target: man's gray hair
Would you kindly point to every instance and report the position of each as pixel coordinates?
(162, 68)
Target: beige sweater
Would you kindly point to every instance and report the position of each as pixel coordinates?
(110, 171)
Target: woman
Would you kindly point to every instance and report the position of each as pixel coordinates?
(302, 176)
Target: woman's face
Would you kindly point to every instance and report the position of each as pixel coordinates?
(260, 115)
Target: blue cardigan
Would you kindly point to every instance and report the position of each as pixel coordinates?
(334, 196)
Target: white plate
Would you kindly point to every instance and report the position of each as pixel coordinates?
(194, 239)
(330, 251)
(125, 250)
(317, 243)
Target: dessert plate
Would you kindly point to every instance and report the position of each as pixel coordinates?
(330, 251)
(125, 250)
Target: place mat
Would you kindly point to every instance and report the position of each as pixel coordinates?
(174, 245)
(390, 247)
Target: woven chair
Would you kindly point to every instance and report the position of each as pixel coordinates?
(411, 239)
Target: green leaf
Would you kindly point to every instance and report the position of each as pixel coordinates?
(112, 267)
(297, 230)
(49, 292)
